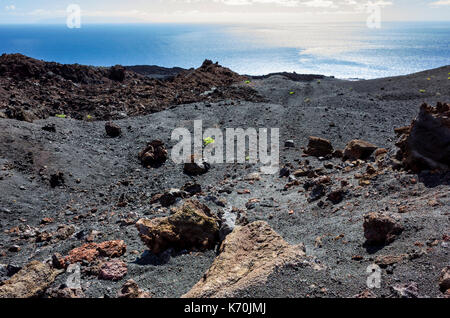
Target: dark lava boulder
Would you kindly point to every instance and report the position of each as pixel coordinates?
(380, 229)
(425, 144)
(319, 147)
(112, 129)
(117, 73)
(154, 154)
(196, 167)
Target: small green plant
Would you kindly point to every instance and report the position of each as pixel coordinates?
(318, 81)
(60, 116)
(207, 141)
(247, 82)
(422, 91)
(429, 79)
(247, 158)
(291, 93)
(89, 117)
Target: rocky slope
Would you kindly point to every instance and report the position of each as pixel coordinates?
(33, 89)
(139, 225)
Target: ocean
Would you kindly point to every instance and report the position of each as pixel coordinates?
(343, 50)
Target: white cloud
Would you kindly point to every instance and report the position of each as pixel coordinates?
(440, 3)
(10, 7)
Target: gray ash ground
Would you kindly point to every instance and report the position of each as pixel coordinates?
(100, 171)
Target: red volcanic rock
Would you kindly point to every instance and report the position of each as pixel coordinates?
(91, 251)
(113, 270)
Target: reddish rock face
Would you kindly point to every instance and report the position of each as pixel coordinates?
(192, 226)
(113, 270)
(89, 252)
(319, 147)
(425, 145)
(155, 153)
(380, 229)
(358, 149)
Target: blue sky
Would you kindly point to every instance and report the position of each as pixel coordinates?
(256, 11)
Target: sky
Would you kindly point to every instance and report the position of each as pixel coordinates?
(221, 11)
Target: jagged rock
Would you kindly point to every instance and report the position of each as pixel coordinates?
(154, 154)
(131, 290)
(228, 222)
(91, 251)
(425, 145)
(192, 188)
(191, 226)
(113, 130)
(117, 73)
(247, 257)
(113, 270)
(57, 179)
(195, 167)
(319, 147)
(64, 292)
(358, 149)
(317, 192)
(49, 128)
(170, 197)
(64, 231)
(444, 280)
(380, 229)
(410, 290)
(337, 196)
(365, 294)
(30, 281)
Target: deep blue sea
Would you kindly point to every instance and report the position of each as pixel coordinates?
(343, 50)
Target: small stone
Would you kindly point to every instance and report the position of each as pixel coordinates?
(289, 144)
(131, 290)
(112, 130)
